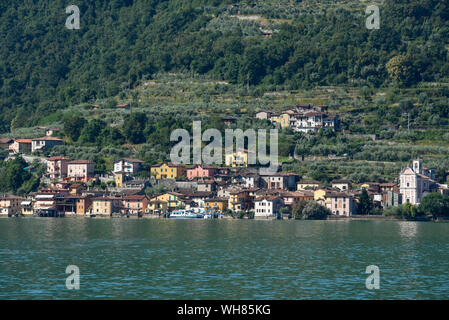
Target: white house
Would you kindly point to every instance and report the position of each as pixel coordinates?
(127, 165)
(267, 206)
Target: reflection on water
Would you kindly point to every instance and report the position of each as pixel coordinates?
(408, 229)
(226, 259)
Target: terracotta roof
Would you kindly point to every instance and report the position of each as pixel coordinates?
(23, 140)
(47, 139)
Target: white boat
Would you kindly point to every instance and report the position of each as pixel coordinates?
(185, 214)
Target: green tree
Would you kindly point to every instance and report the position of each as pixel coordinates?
(435, 205)
(314, 211)
(134, 126)
(73, 127)
(365, 204)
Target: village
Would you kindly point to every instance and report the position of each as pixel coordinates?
(236, 189)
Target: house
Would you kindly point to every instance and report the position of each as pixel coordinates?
(27, 207)
(80, 169)
(292, 198)
(208, 186)
(341, 204)
(239, 200)
(20, 146)
(267, 206)
(10, 205)
(279, 180)
(264, 115)
(173, 199)
(157, 207)
(167, 171)
(57, 167)
(76, 188)
(135, 204)
(127, 165)
(237, 159)
(83, 204)
(308, 185)
(342, 184)
(44, 143)
(216, 204)
(200, 171)
(45, 203)
(5, 143)
(199, 197)
(106, 205)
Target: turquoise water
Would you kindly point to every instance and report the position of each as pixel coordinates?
(225, 259)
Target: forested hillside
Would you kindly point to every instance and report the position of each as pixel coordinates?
(272, 44)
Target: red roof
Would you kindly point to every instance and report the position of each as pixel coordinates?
(23, 140)
(56, 158)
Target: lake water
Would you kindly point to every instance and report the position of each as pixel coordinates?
(224, 259)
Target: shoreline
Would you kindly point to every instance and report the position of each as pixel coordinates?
(330, 218)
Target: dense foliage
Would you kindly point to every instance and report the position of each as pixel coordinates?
(45, 67)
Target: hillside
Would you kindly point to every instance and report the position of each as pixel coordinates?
(273, 45)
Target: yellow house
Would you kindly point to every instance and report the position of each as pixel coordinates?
(283, 120)
(157, 206)
(27, 207)
(237, 159)
(220, 204)
(118, 178)
(173, 199)
(105, 205)
(167, 170)
(319, 196)
(307, 184)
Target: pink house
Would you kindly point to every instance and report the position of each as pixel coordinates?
(341, 204)
(57, 167)
(200, 171)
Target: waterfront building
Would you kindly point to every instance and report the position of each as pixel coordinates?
(341, 204)
(267, 206)
(157, 206)
(106, 205)
(135, 204)
(10, 205)
(216, 204)
(27, 207)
